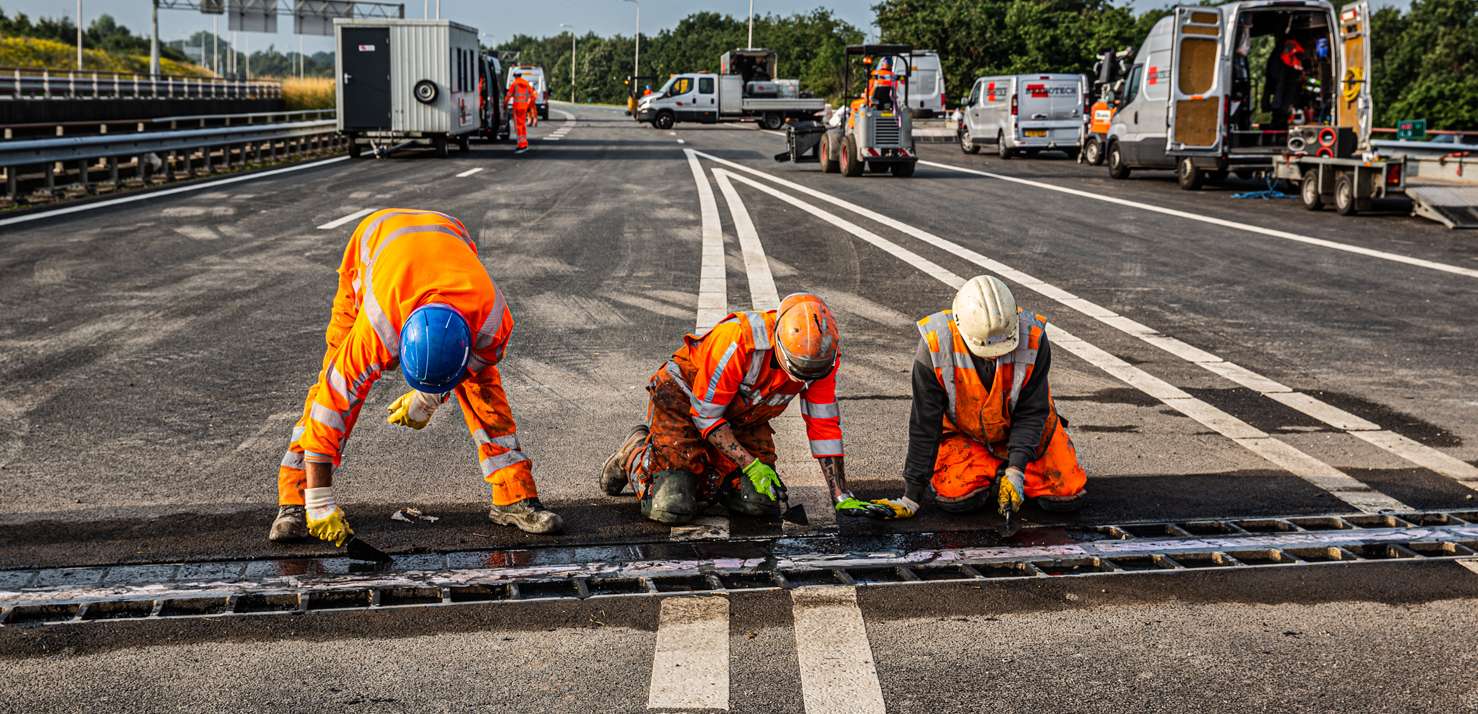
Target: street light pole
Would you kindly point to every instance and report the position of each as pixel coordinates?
(572, 61)
(154, 40)
(751, 24)
(79, 35)
(636, 66)
(215, 44)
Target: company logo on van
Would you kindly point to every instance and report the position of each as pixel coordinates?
(1042, 91)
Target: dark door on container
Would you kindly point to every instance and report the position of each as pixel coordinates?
(366, 80)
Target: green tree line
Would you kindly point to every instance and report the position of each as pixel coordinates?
(103, 34)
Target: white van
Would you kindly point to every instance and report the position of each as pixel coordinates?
(534, 75)
(1024, 113)
(1194, 102)
(925, 84)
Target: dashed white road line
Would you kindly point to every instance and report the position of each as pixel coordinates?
(1470, 564)
(335, 223)
(838, 674)
(1308, 468)
(1270, 232)
(469, 172)
(690, 667)
(150, 195)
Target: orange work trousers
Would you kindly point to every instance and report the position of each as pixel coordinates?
(521, 126)
(965, 469)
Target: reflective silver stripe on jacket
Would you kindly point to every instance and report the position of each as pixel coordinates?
(493, 464)
(945, 359)
(820, 411)
(826, 447)
(327, 417)
(293, 460)
(761, 337)
(1023, 356)
(723, 363)
(706, 414)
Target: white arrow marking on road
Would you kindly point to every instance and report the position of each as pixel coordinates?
(469, 172)
(690, 667)
(1327, 477)
(335, 223)
(837, 669)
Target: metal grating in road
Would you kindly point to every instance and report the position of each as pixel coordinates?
(178, 590)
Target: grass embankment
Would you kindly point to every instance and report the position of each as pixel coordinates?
(307, 93)
(33, 53)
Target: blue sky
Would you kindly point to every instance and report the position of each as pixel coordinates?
(500, 19)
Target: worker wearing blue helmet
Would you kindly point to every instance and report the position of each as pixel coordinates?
(412, 293)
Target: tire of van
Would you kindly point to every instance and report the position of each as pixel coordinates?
(1345, 203)
(1308, 191)
(823, 154)
(1001, 149)
(464, 144)
(772, 121)
(903, 169)
(1093, 151)
(1187, 176)
(1116, 166)
(967, 142)
(851, 165)
(663, 120)
(439, 144)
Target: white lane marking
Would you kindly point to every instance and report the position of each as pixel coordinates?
(1339, 484)
(147, 195)
(703, 528)
(1285, 235)
(690, 667)
(1470, 564)
(838, 673)
(469, 172)
(680, 141)
(806, 484)
(1402, 447)
(335, 223)
(713, 300)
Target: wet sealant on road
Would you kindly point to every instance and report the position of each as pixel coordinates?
(74, 595)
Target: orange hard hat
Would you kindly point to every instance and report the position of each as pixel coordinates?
(806, 337)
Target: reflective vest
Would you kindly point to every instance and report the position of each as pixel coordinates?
(521, 94)
(975, 410)
(729, 376)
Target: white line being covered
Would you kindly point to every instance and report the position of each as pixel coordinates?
(690, 667)
(469, 172)
(1470, 564)
(148, 195)
(1308, 468)
(1400, 446)
(335, 223)
(802, 474)
(1270, 232)
(838, 674)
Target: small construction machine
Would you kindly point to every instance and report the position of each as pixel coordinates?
(1108, 91)
(636, 86)
(874, 133)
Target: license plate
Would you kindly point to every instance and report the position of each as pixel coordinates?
(887, 115)
(1036, 133)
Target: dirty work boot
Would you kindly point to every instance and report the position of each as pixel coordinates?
(672, 498)
(528, 515)
(1062, 504)
(740, 498)
(291, 524)
(613, 474)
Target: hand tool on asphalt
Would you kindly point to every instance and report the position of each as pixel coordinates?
(357, 549)
(795, 514)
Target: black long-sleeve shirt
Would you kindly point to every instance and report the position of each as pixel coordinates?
(926, 418)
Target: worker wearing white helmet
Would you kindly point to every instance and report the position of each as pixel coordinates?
(983, 428)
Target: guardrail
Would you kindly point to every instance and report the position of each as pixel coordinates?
(41, 84)
(47, 130)
(1425, 148)
(88, 163)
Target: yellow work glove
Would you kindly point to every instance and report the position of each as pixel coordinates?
(903, 507)
(326, 521)
(412, 409)
(1012, 491)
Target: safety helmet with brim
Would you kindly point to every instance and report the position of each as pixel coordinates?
(806, 337)
(985, 313)
(435, 347)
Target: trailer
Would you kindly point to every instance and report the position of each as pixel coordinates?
(744, 89)
(407, 82)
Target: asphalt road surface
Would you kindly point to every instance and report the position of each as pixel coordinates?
(1216, 357)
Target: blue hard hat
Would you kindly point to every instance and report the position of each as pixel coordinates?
(435, 344)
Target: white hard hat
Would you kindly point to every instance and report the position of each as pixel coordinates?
(985, 312)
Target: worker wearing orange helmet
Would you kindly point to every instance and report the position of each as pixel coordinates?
(520, 98)
(983, 428)
(708, 437)
(412, 295)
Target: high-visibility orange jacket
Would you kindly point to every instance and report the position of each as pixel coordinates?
(979, 411)
(396, 261)
(520, 95)
(736, 379)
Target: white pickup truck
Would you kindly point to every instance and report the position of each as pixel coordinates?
(744, 90)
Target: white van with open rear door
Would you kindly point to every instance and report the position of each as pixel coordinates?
(1195, 102)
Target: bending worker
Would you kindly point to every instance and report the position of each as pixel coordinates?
(984, 430)
(708, 436)
(520, 98)
(411, 291)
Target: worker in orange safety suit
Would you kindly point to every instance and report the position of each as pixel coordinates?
(708, 437)
(412, 294)
(520, 98)
(984, 429)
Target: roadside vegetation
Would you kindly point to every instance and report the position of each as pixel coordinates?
(307, 93)
(35, 53)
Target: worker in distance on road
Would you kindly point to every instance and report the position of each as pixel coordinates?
(708, 437)
(983, 428)
(412, 293)
(520, 98)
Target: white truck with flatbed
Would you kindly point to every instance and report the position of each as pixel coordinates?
(745, 89)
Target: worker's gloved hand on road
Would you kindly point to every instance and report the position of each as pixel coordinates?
(901, 507)
(326, 521)
(413, 409)
(765, 480)
(1012, 491)
(849, 505)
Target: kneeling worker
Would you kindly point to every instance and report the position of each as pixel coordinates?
(412, 291)
(708, 436)
(984, 429)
